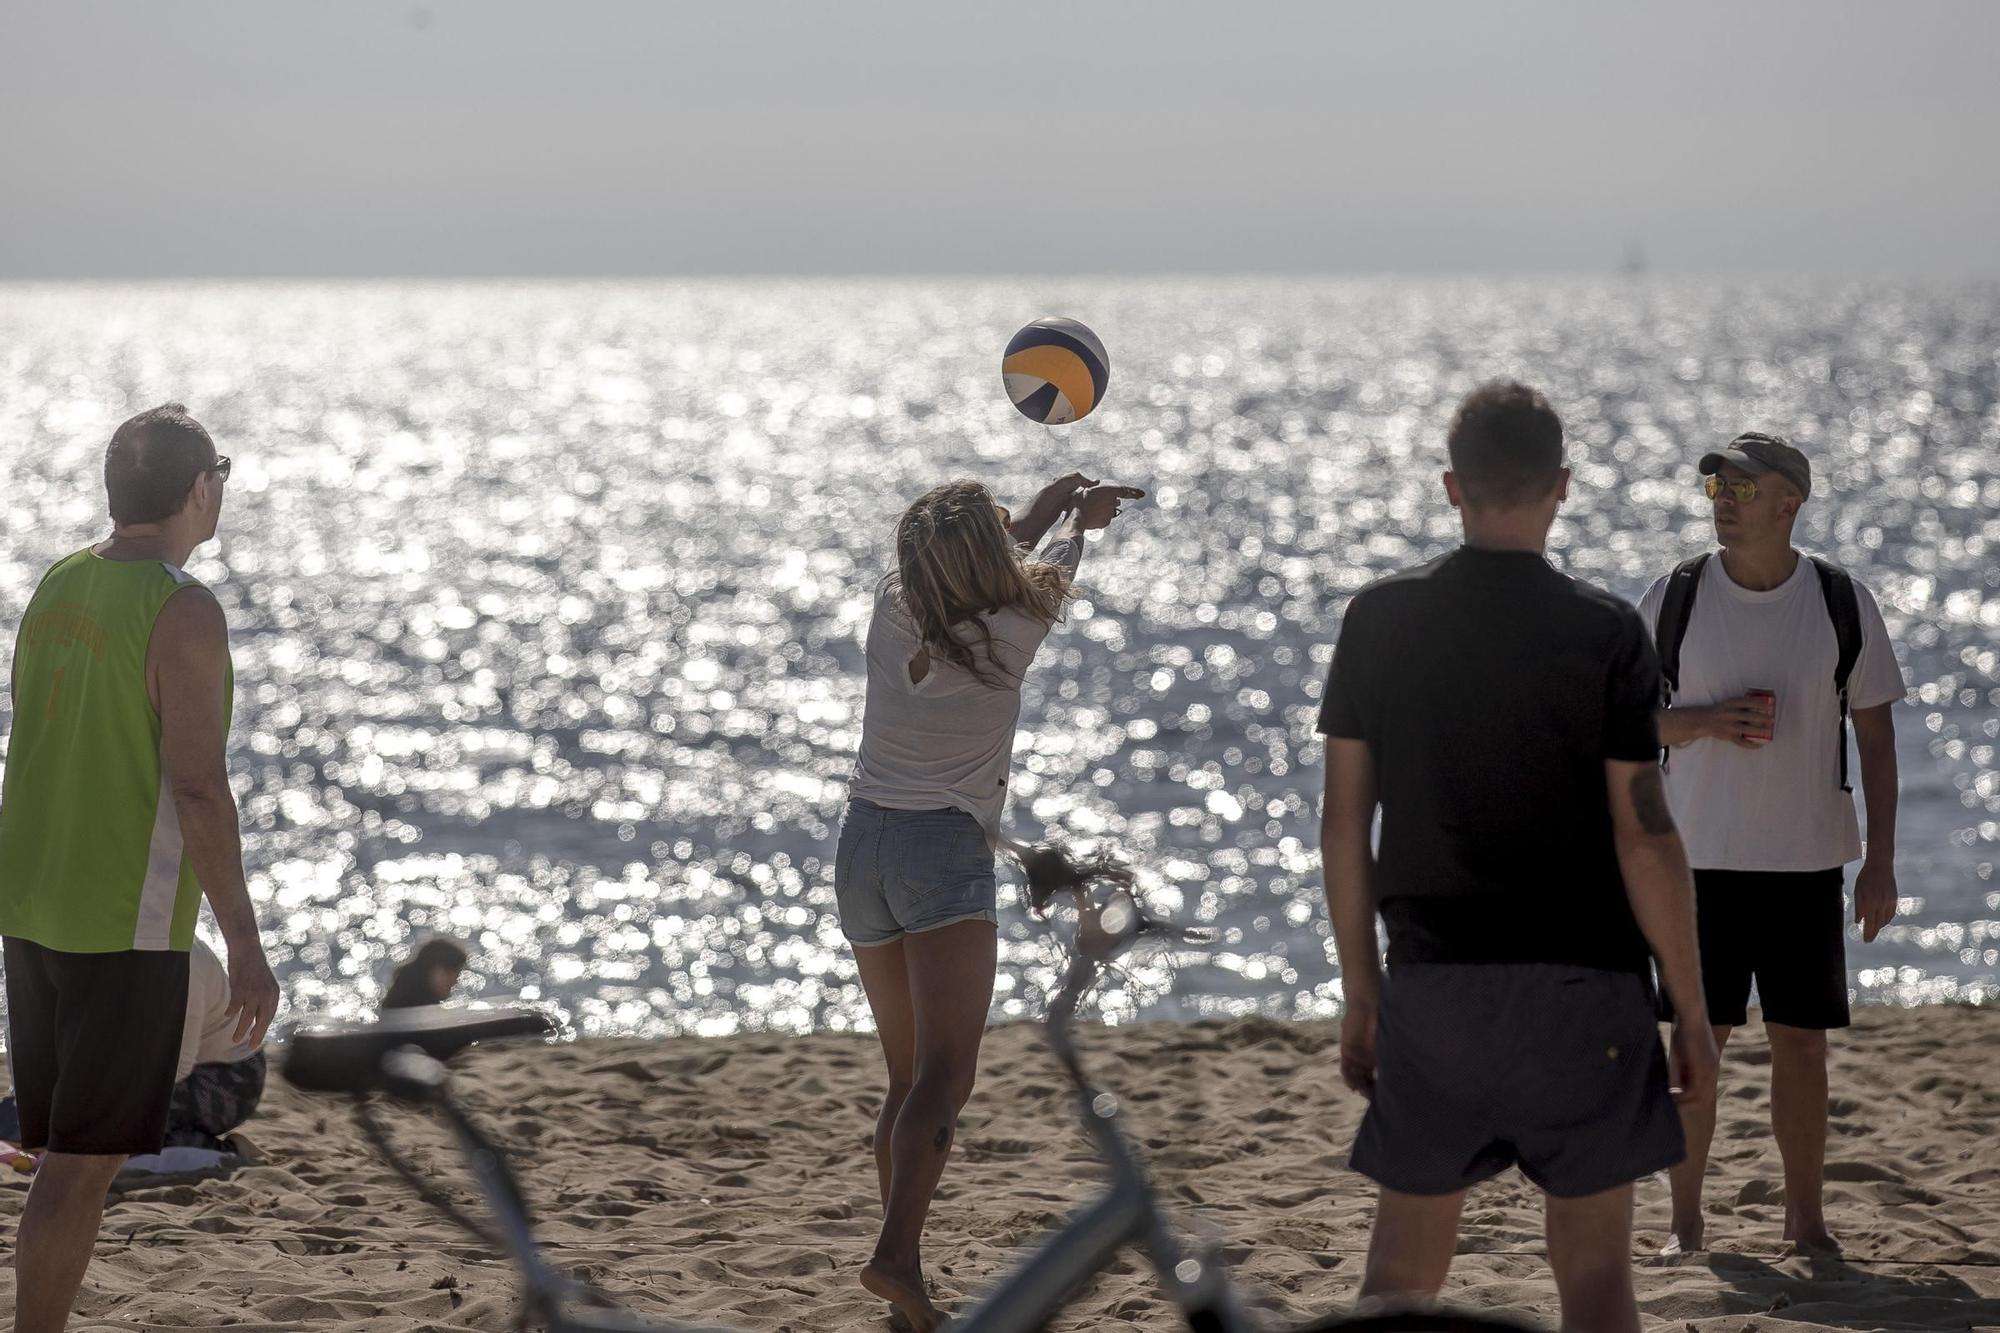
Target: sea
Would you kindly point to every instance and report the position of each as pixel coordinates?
(547, 598)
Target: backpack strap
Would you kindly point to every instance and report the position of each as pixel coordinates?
(1843, 607)
(1676, 610)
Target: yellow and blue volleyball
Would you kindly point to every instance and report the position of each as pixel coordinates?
(1055, 371)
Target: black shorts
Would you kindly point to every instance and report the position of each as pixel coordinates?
(1785, 929)
(1480, 1067)
(95, 1039)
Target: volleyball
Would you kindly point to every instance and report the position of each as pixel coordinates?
(1055, 371)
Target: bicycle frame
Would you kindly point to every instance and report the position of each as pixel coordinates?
(1126, 1213)
(1025, 1301)
(415, 1077)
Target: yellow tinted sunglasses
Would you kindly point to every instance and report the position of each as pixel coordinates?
(1743, 492)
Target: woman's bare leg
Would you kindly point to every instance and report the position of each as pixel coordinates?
(950, 973)
(886, 981)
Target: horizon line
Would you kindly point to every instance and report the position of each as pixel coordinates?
(994, 275)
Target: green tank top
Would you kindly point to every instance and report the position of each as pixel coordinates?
(90, 846)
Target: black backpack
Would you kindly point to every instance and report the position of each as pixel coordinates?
(1842, 606)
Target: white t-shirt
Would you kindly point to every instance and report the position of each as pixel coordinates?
(208, 1037)
(945, 740)
(1779, 806)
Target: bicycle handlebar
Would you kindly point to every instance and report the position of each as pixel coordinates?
(1104, 931)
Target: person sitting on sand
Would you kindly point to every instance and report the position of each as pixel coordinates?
(954, 630)
(220, 1078)
(1500, 714)
(426, 976)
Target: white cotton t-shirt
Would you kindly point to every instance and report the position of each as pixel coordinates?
(208, 1037)
(1779, 806)
(948, 739)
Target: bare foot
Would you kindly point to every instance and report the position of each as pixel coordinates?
(1682, 1240)
(1812, 1239)
(904, 1289)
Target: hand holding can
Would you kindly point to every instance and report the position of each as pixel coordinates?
(1769, 698)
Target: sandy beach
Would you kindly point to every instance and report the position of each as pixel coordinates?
(727, 1179)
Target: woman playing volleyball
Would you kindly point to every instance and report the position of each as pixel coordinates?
(954, 631)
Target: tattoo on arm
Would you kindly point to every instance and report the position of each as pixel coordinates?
(1649, 798)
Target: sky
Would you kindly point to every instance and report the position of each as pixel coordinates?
(587, 137)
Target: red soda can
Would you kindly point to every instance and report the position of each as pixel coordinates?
(1770, 728)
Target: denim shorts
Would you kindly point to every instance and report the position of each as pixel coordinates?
(902, 872)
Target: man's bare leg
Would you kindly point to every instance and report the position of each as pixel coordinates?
(1698, 1126)
(1798, 1122)
(1410, 1252)
(1590, 1249)
(58, 1231)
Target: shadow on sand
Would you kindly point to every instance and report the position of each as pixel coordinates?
(1837, 1294)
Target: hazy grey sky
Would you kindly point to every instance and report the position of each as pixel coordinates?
(571, 137)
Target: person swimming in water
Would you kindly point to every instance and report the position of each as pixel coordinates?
(954, 630)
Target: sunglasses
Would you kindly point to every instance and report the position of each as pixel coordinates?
(1743, 492)
(220, 467)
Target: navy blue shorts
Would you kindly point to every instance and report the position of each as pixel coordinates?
(901, 872)
(1786, 931)
(94, 1039)
(1558, 1070)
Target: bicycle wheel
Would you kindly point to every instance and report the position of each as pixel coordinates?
(1419, 1321)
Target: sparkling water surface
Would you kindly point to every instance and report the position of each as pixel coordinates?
(546, 599)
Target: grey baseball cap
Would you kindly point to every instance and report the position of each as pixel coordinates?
(1758, 453)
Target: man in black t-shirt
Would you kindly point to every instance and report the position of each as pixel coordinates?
(1500, 714)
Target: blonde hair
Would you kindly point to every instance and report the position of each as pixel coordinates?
(957, 562)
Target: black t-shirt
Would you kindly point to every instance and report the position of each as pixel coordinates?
(1491, 689)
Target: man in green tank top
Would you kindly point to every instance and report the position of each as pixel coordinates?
(115, 818)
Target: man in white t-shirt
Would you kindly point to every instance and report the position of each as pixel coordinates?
(1757, 778)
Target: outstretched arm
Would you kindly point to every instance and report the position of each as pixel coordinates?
(1094, 508)
(1050, 503)
(1347, 821)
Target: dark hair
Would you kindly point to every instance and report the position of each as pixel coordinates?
(152, 461)
(1506, 445)
(410, 984)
